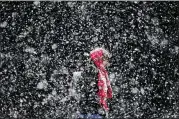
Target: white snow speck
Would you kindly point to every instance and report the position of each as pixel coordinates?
(155, 21)
(116, 36)
(112, 77)
(36, 2)
(164, 42)
(3, 25)
(64, 70)
(86, 54)
(15, 114)
(23, 35)
(42, 85)
(44, 101)
(71, 4)
(13, 23)
(54, 46)
(30, 50)
(142, 91)
(95, 39)
(21, 100)
(153, 39)
(54, 92)
(134, 90)
(64, 99)
(153, 59)
(76, 75)
(136, 49)
(177, 49)
(98, 30)
(14, 14)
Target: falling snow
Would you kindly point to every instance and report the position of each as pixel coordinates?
(3, 24)
(46, 72)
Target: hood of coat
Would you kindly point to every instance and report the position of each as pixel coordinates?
(98, 55)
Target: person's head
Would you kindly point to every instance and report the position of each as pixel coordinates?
(100, 56)
(105, 61)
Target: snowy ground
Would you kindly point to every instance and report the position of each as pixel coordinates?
(44, 50)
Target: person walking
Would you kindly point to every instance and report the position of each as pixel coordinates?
(95, 85)
(100, 58)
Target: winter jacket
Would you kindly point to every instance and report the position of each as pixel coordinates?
(87, 88)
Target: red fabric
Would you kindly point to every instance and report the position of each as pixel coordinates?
(104, 87)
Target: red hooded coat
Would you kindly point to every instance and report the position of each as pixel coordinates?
(104, 87)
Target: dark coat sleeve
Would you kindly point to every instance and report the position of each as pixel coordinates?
(88, 91)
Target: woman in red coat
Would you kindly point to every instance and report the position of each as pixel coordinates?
(100, 57)
(95, 86)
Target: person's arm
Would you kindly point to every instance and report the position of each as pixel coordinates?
(102, 85)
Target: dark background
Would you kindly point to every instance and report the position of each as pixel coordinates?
(46, 42)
